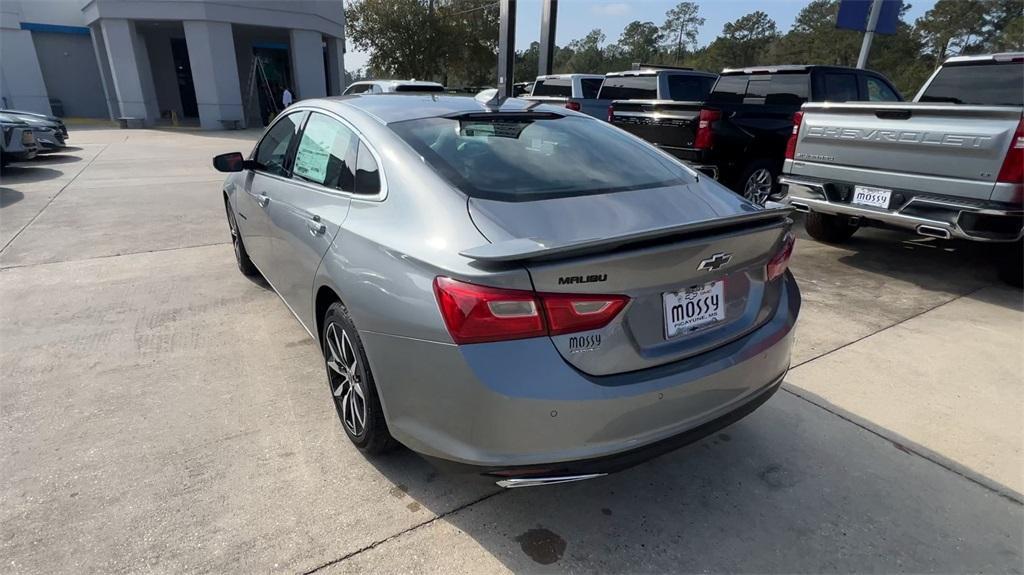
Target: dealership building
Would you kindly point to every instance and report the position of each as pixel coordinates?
(212, 63)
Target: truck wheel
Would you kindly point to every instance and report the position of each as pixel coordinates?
(758, 181)
(828, 228)
(1011, 264)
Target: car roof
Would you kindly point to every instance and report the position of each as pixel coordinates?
(783, 68)
(656, 71)
(398, 107)
(1000, 57)
(600, 76)
(397, 83)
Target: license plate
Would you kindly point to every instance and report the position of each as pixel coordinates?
(694, 308)
(874, 197)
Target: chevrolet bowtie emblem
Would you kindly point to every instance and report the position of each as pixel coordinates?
(714, 262)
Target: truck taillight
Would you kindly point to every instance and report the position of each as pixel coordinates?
(611, 112)
(1012, 171)
(573, 105)
(780, 261)
(704, 139)
(477, 314)
(798, 119)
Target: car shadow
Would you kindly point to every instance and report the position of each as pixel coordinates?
(789, 489)
(60, 157)
(9, 196)
(26, 173)
(957, 267)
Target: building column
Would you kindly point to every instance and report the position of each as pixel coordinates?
(129, 70)
(336, 65)
(211, 53)
(99, 47)
(21, 78)
(307, 52)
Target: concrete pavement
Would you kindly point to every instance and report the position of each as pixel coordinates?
(162, 413)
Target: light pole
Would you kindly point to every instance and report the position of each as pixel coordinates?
(869, 33)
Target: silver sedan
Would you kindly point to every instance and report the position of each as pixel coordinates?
(512, 288)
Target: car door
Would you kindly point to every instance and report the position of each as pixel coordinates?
(251, 206)
(308, 211)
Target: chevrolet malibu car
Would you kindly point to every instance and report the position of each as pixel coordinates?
(49, 131)
(521, 289)
(18, 143)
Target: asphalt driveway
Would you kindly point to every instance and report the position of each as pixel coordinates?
(162, 413)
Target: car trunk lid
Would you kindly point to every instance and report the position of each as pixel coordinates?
(680, 238)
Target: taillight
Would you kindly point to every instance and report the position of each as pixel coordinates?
(476, 314)
(1012, 171)
(568, 313)
(704, 138)
(780, 261)
(573, 105)
(798, 119)
(611, 112)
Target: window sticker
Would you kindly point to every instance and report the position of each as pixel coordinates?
(315, 149)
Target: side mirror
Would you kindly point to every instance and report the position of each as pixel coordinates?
(232, 162)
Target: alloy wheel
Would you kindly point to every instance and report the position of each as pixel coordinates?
(346, 379)
(758, 186)
(236, 242)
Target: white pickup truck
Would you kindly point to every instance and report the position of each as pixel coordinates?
(948, 165)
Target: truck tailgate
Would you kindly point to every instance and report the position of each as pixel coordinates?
(936, 148)
(664, 123)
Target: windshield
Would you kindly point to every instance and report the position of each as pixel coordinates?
(981, 84)
(518, 157)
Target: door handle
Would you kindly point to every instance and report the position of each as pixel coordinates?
(262, 200)
(315, 227)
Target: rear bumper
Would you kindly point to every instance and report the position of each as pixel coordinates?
(518, 408)
(927, 215)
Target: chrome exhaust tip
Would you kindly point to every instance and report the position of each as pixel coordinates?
(535, 481)
(933, 232)
(802, 208)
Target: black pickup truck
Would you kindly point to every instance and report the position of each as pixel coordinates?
(657, 103)
(739, 133)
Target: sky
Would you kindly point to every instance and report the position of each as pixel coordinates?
(577, 17)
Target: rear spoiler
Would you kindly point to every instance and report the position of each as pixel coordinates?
(522, 249)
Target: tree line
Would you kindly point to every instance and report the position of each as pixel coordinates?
(455, 41)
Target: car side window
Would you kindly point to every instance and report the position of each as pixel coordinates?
(367, 173)
(840, 87)
(879, 91)
(272, 153)
(326, 153)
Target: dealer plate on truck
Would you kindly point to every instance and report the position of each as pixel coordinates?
(694, 308)
(874, 197)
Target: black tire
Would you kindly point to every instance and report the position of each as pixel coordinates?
(245, 264)
(828, 228)
(758, 181)
(349, 374)
(1011, 264)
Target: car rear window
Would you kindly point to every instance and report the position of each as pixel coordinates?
(629, 88)
(520, 157)
(683, 88)
(418, 88)
(558, 87)
(769, 89)
(981, 84)
(591, 86)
